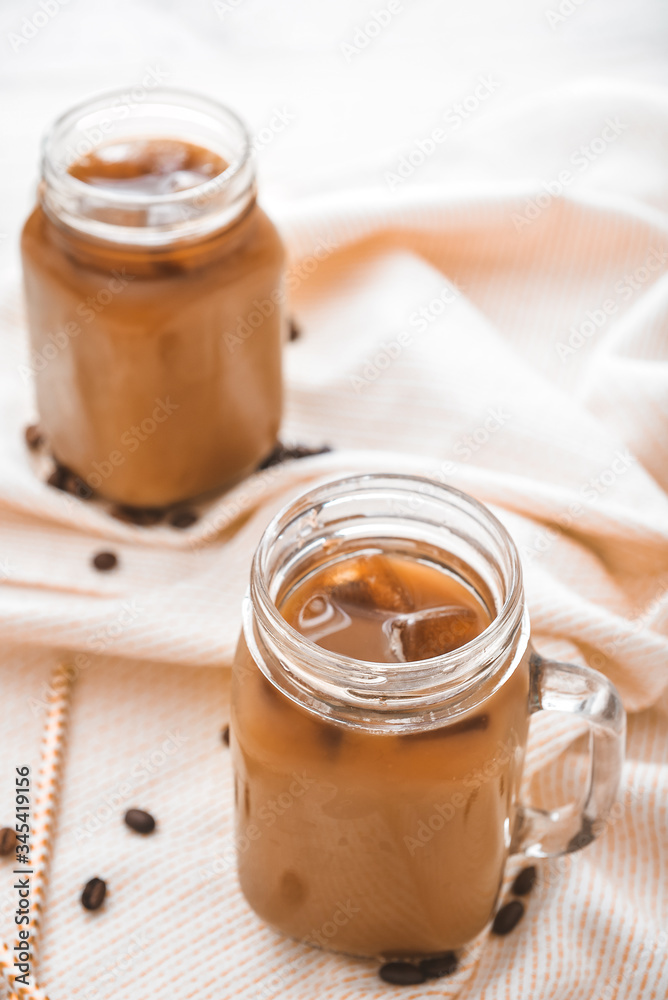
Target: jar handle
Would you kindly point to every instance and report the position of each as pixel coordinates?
(584, 693)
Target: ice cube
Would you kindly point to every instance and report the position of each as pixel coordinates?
(368, 583)
(420, 635)
(320, 617)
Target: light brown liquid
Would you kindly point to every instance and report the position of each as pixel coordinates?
(157, 369)
(385, 608)
(376, 843)
(149, 166)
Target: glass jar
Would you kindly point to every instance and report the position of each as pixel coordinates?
(156, 316)
(377, 804)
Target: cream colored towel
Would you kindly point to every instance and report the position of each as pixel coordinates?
(511, 343)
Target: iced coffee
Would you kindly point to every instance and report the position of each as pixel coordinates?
(387, 842)
(381, 699)
(155, 303)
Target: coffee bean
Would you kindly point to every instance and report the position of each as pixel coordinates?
(295, 332)
(401, 974)
(7, 840)
(524, 881)
(59, 477)
(93, 894)
(183, 518)
(33, 437)
(225, 735)
(105, 561)
(67, 481)
(283, 453)
(508, 917)
(139, 821)
(142, 516)
(78, 487)
(440, 965)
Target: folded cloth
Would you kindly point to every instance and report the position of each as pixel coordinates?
(519, 355)
(410, 342)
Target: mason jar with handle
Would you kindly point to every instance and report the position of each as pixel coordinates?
(377, 804)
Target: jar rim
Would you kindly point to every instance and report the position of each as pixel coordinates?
(445, 676)
(211, 199)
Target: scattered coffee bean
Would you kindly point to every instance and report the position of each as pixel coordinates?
(67, 481)
(139, 821)
(7, 840)
(105, 561)
(225, 735)
(79, 487)
(33, 437)
(58, 477)
(283, 453)
(295, 332)
(401, 974)
(524, 881)
(183, 518)
(93, 894)
(142, 516)
(508, 917)
(440, 965)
